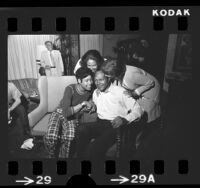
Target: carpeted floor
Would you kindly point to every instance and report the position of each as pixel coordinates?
(37, 152)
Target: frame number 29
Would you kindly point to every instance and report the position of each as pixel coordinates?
(43, 180)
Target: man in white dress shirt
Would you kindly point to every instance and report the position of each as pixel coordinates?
(114, 109)
(51, 60)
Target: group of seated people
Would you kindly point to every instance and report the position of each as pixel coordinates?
(119, 96)
(116, 93)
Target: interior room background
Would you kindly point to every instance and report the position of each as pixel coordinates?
(24, 52)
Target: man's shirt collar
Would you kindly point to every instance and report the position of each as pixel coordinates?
(98, 92)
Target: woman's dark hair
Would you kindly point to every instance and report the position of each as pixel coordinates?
(83, 72)
(113, 68)
(94, 55)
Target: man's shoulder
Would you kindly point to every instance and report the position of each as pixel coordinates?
(70, 87)
(116, 88)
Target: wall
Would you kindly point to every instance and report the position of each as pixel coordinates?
(170, 58)
(110, 41)
(22, 55)
(88, 42)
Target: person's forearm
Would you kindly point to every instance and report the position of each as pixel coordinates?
(73, 110)
(77, 108)
(15, 104)
(140, 90)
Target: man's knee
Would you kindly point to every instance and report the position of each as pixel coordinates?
(20, 111)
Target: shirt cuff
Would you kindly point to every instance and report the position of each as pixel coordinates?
(136, 116)
(128, 119)
(137, 92)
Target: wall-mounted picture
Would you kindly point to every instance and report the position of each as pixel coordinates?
(183, 54)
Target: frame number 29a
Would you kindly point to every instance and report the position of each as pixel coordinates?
(142, 178)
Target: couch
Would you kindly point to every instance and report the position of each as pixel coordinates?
(51, 90)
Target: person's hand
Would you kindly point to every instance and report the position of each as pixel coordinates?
(140, 59)
(135, 56)
(93, 108)
(135, 95)
(86, 105)
(132, 94)
(47, 67)
(118, 121)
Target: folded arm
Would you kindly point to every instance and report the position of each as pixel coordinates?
(66, 104)
(144, 84)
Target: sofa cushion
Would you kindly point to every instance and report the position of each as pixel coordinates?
(41, 127)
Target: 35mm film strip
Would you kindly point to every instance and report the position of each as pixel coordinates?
(124, 121)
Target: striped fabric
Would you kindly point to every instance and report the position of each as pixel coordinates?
(27, 85)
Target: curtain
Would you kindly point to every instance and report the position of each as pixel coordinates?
(22, 54)
(88, 42)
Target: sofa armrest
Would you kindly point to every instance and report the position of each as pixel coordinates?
(36, 115)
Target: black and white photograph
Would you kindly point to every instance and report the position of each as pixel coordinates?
(99, 96)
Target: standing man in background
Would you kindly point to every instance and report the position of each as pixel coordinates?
(51, 61)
